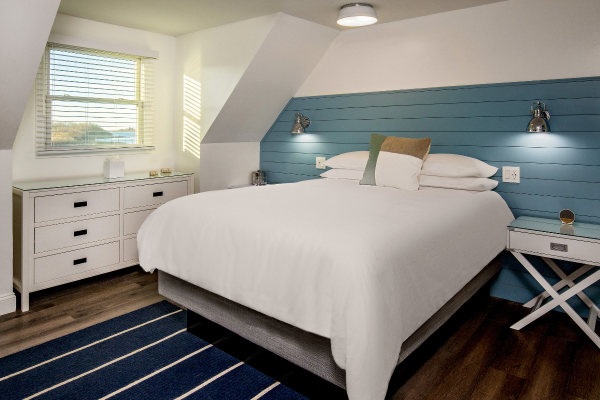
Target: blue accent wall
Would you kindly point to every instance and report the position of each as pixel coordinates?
(559, 170)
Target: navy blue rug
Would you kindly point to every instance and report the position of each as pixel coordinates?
(146, 354)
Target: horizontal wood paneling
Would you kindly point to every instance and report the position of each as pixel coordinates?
(558, 170)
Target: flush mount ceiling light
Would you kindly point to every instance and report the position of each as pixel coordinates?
(357, 14)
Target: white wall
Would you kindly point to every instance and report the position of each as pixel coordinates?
(516, 40)
(25, 164)
(24, 29)
(210, 63)
(227, 164)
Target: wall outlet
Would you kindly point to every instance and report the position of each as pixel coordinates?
(511, 174)
(321, 162)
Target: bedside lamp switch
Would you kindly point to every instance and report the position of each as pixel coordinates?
(320, 162)
(511, 174)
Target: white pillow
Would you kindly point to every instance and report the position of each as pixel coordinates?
(343, 174)
(456, 166)
(356, 160)
(478, 184)
(399, 171)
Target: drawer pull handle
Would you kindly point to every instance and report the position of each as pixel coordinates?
(80, 233)
(157, 194)
(80, 261)
(559, 247)
(80, 204)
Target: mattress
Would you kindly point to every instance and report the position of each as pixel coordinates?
(364, 266)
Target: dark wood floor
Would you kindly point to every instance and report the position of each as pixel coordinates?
(475, 356)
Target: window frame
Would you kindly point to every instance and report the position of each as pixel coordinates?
(144, 77)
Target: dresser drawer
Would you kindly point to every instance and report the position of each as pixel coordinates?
(148, 195)
(130, 249)
(75, 262)
(54, 237)
(133, 221)
(59, 206)
(555, 247)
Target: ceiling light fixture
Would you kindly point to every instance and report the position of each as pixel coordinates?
(357, 14)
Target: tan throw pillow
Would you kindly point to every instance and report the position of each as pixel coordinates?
(399, 162)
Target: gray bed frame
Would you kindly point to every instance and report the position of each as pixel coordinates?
(307, 350)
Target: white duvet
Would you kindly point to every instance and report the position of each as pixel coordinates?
(362, 265)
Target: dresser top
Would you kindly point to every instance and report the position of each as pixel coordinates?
(94, 180)
(577, 229)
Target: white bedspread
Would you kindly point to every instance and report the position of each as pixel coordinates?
(362, 265)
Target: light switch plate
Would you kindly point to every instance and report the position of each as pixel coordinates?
(321, 162)
(511, 174)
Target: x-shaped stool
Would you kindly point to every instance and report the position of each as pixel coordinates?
(560, 299)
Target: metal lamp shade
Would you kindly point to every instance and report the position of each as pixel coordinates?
(540, 120)
(300, 122)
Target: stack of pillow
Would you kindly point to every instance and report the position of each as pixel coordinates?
(405, 164)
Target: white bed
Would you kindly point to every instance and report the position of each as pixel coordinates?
(362, 265)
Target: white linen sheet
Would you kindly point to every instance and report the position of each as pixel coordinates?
(362, 265)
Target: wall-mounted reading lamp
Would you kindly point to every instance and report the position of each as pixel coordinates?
(540, 120)
(300, 123)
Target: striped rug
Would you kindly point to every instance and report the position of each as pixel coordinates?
(146, 354)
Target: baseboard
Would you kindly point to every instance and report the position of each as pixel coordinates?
(8, 303)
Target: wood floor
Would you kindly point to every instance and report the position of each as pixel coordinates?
(475, 356)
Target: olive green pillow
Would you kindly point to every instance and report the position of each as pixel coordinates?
(375, 144)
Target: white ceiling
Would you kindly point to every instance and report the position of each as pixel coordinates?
(178, 17)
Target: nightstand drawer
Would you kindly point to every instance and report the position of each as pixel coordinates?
(555, 247)
(133, 221)
(75, 262)
(149, 195)
(53, 237)
(59, 206)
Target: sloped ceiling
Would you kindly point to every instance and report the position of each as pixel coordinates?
(24, 30)
(285, 59)
(178, 17)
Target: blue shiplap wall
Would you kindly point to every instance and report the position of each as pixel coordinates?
(558, 170)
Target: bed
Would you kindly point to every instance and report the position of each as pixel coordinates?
(342, 279)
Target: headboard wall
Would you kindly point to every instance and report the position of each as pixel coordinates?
(559, 170)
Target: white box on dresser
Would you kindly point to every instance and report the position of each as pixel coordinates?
(77, 228)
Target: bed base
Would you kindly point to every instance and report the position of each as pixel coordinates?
(307, 350)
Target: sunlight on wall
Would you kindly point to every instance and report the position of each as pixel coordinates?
(191, 137)
(192, 101)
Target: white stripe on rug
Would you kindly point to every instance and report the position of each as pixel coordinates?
(214, 378)
(104, 365)
(132, 384)
(267, 390)
(87, 346)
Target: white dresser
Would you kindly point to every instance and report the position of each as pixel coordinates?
(73, 229)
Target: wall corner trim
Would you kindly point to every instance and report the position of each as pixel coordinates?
(93, 44)
(8, 303)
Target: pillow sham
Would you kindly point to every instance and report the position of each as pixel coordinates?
(477, 184)
(355, 160)
(456, 166)
(399, 162)
(351, 174)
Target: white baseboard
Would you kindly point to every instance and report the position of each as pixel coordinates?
(8, 303)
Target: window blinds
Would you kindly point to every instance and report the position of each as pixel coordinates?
(93, 100)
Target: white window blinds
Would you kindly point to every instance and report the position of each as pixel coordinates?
(91, 100)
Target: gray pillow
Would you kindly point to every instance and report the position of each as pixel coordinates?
(375, 144)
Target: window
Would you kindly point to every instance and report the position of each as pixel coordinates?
(91, 100)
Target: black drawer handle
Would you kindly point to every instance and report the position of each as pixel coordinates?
(157, 194)
(80, 233)
(80, 261)
(559, 247)
(80, 204)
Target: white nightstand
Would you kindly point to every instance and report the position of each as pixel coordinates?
(550, 239)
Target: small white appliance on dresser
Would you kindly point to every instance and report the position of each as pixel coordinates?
(77, 228)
